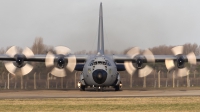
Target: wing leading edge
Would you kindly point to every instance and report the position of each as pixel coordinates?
(41, 58)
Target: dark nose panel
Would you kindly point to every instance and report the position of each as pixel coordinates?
(99, 76)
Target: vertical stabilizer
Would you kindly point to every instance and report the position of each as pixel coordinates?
(100, 46)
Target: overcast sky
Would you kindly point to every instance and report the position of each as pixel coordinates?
(127, 23)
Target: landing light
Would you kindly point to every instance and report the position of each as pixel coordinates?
(120, 85)
(79, 84)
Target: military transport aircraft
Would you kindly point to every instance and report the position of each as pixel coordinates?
(98, 70)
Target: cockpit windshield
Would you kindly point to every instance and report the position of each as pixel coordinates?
(99, 63)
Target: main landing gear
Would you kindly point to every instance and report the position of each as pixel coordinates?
(118, 87)
(82, 87)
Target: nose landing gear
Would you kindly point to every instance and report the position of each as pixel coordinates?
(99, 88)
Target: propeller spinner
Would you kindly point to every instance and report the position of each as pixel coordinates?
(147, 56)
(19, 63)
(59, 61)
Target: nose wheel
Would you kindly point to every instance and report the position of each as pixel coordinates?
(99, 88)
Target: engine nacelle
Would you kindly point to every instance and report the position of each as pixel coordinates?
(139, 62)
(60, 61)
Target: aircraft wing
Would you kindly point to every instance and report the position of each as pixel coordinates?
(158, 58)
(41, 58)
(139, 63)
(59, 62)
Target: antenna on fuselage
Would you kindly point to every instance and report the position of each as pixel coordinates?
(100, 46)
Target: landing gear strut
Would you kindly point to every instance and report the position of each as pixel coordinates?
(99, 88)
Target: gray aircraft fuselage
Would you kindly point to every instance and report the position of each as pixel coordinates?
(100, 71)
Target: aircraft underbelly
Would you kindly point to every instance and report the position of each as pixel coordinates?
(89, 80)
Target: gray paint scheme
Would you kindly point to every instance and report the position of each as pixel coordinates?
(100, 46)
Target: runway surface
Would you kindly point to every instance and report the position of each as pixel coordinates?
(15, 94)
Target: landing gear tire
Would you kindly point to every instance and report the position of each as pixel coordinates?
(98, 88)
(82, 88)
(117, 88)
(102, 89)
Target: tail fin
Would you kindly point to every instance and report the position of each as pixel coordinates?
(100, 46)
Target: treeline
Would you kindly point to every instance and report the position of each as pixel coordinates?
(41, 71)
(39, 47)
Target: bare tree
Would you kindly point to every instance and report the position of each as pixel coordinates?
(188, 47)
(38, 46)
(161, 50)
(2, 51)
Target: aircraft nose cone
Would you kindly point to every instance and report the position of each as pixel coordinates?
(99, 76)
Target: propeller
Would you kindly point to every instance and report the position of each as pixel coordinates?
(19, 63)
(146, 57)
(180, 61)
(62, 60)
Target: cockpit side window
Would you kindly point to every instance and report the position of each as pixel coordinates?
(91, 63)
(108, 63)
(95, 63)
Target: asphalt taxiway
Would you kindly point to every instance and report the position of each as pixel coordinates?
(15, 94)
